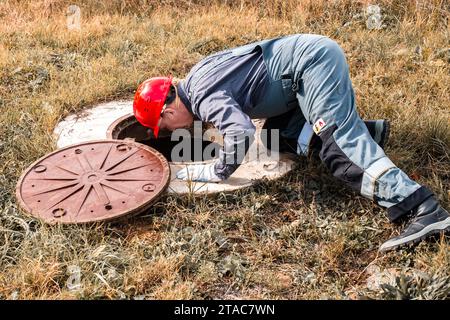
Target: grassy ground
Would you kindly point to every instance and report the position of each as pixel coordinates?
(301, 237)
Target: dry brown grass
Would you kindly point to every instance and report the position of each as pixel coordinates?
(297, 238)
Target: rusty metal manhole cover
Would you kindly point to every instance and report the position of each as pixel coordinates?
(93, 181)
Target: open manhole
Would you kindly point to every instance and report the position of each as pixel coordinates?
(114, 120)
(93, 181)
(191, 147)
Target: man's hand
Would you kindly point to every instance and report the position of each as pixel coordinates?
(199, 172)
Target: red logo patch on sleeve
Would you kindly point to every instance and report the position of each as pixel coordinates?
(319, 125)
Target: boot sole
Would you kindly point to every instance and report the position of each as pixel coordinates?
(432, 229)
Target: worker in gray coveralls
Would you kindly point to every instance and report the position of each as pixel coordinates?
(301, 84)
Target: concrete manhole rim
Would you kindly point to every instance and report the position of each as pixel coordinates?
(159, 191)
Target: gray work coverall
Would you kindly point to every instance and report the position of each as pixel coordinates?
(310, 72)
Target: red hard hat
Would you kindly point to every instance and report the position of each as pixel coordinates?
(149, 101)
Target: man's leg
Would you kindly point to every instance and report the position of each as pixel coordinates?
(378, 129)
(327, 99)
(291, 125)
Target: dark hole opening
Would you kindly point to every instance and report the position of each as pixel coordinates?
(130, 128)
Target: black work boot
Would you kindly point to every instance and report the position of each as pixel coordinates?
(379, 130)
(427, 219)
